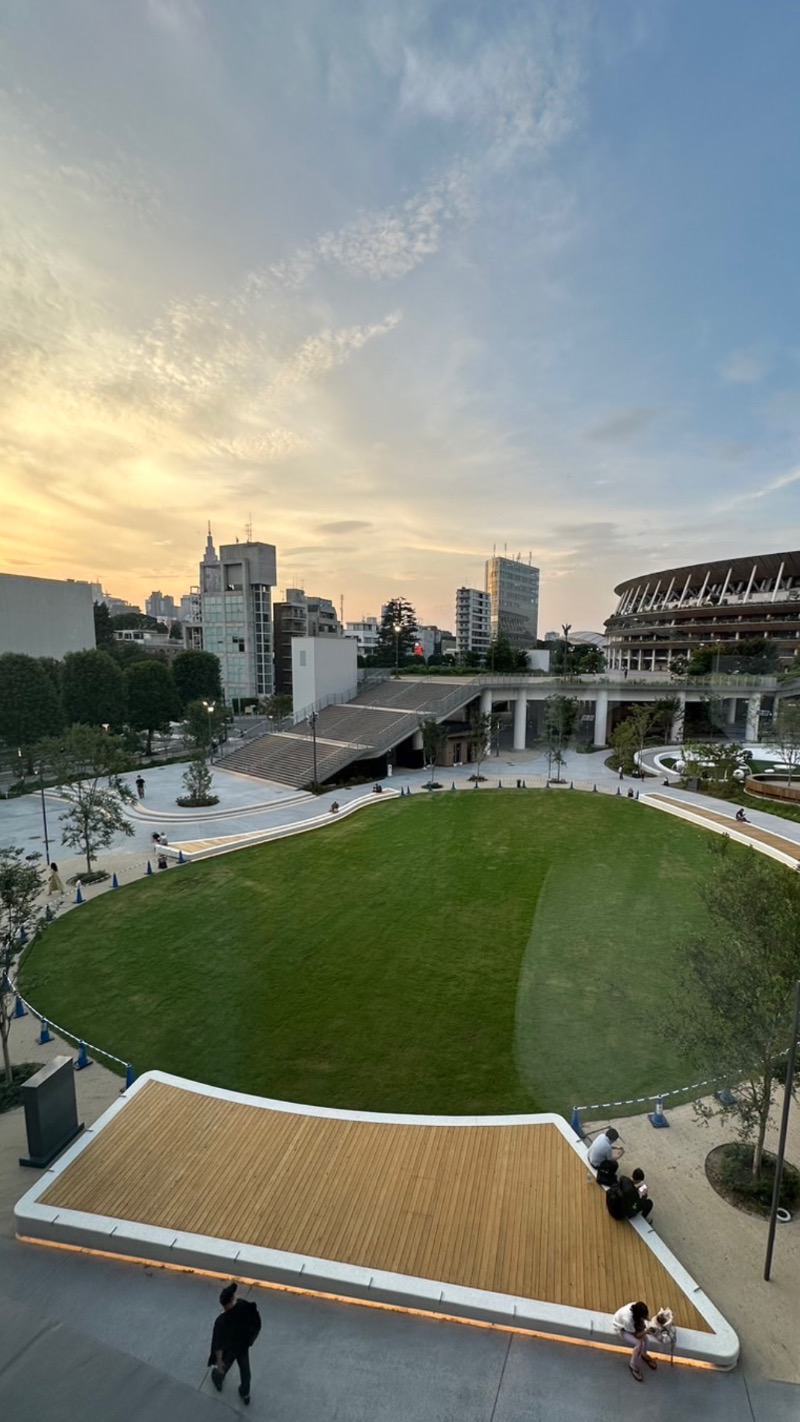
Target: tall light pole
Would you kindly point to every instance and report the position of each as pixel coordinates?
(787, 1098)
(210, 708)
(397, 628)
(312, 721)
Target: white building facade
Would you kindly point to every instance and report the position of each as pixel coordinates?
(473, 621)
(42, 617)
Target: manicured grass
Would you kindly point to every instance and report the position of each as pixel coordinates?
(492, 952)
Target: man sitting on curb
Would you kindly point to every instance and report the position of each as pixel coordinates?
(625, 1200)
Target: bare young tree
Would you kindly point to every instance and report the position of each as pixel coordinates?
(784, 736)
(87, 764)
(433, 738)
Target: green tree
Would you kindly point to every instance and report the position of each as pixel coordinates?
(276, 708)
(29, 705)
(713, 763)
(197, 780)
(203, 722)
(479, 739)
(103, 630)
(434, 737)
(197, 677)
(630, 737)
(20, 885)
(87, 764)
(395, 647)
(175, 632)
(153, 699)
(784, 735)
(93, 690)
(560, 716)
(502, 659)
(734, 993)
(137, 621)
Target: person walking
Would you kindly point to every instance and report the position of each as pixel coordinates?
(140, 786)
(55, 884)
(235, 1331)
(630, 1322)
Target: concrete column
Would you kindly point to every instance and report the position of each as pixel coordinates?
(601, 717)
(520, 719)
(676, 729)
(486, 701)
(753, 714)
(416, 743)
(730, 710)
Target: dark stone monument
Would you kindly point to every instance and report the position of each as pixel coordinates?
(51, 1112)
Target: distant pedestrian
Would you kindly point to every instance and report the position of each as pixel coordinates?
(55, 884)
(235, 1331)
(140, 786)
(630, 1322)
(621, 773)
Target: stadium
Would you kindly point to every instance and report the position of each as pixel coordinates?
(664, 616)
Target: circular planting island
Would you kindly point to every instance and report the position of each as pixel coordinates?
(455, 953)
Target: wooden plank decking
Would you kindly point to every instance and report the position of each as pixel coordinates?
(501, 1208)
(750, 831)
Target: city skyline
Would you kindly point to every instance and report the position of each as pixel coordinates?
(399, 284)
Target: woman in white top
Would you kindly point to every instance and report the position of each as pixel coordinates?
(630, 1322)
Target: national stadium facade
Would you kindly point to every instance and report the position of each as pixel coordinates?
(669, 614)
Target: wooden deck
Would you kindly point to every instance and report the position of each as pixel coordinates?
(504, 1208)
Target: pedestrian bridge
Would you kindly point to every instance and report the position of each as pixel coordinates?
(381, 717)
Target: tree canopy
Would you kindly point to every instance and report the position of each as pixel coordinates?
(197, 675)
(153, 699)
(397, 646)
(82, 759)
(29, 703)
(93, 690)
(733, 999)
(20, 885)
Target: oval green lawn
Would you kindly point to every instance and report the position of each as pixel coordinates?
(486, 952)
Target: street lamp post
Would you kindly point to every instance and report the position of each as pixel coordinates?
(312, 721)
(397, 628)
(210, 708)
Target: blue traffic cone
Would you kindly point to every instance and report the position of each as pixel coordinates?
(181, 859)
(576, 1123)
(82, 1059)
(594, 789)
(130, 1076)
(114, 880)
(499, 784)
(453, 786)
(619, 792)
(78, 895)
(637, 794)
(23, 937)
(149, 868)
(524, 786)
(19, 1008)
(45, 1035)
(657, 1117)
(48, 914)
(572, 784)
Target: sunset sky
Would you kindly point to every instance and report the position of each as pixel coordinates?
(401, 282)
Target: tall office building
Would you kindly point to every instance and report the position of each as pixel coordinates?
(236, 599)
(473, 621)
(513, 587)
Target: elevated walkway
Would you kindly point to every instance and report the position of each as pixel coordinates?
(487, 1219)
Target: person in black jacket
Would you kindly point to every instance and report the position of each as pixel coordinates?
(235, 1331)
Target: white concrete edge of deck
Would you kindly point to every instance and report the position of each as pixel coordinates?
(695, 816)
(133, 1240)
(263, 836)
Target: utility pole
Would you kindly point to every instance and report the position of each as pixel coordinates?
(787, 1097)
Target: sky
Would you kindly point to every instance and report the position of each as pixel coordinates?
(398, 282)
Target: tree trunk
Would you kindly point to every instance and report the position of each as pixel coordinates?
(5, 1025)
(758, 1149)
(148, 750)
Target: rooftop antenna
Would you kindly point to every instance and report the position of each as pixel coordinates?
(341, 609)
(248, 529)
(505, 550)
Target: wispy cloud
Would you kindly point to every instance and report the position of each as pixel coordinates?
(623, 427)
(784, 481)
(744, 367)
